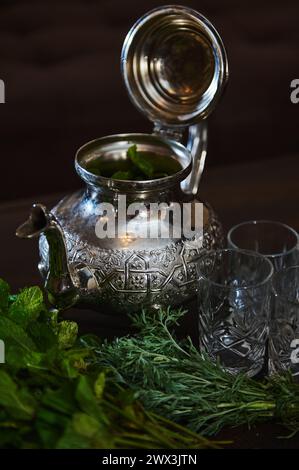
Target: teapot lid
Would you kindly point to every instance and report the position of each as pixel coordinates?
(174, 66)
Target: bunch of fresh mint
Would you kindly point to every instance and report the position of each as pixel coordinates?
(54, 395)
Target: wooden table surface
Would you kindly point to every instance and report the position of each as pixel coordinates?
(259, 190)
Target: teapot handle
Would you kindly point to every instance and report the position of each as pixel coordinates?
(197, 144)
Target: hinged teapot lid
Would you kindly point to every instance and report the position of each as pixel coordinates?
(174, 66)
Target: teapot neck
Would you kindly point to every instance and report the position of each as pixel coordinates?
(162, 194)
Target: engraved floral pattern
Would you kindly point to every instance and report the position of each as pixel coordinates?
(127, 279)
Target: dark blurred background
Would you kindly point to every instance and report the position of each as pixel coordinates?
(60, 64)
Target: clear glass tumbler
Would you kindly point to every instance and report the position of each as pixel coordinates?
(284, 325)
(234, 290)
(275, 240)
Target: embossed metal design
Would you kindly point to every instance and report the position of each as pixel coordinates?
(127, 280)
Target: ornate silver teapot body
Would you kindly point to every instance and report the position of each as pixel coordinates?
(126, 272)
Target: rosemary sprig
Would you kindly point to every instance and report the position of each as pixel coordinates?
(175, 380)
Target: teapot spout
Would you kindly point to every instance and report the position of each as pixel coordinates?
(39, 221)
(58, 280)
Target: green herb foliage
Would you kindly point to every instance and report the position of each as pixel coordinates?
(53, 394)
(58, 390)
(142, 162)
(174, 379)
(139, 166)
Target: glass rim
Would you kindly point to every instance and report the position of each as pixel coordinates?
(265, 221)
(276, 276)
(249, 253)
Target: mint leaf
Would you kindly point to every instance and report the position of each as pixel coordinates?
(140, 161)
(48, 433)
(17, 358)
(67, 334)
(13, 334)
(85, 432)
(28, 306)
(61, 400)
(43, 335)
(72, 362)
(122, 175)
(132, 152)
(85, 425)
(87, 400)
(4, 296)
(17, 402)
(72, 440)
(99, 385)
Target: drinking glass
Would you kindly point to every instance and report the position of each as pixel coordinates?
(275, 240)
(284, 326)
(233, 297)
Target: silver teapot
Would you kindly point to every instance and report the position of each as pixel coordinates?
(175, 68)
